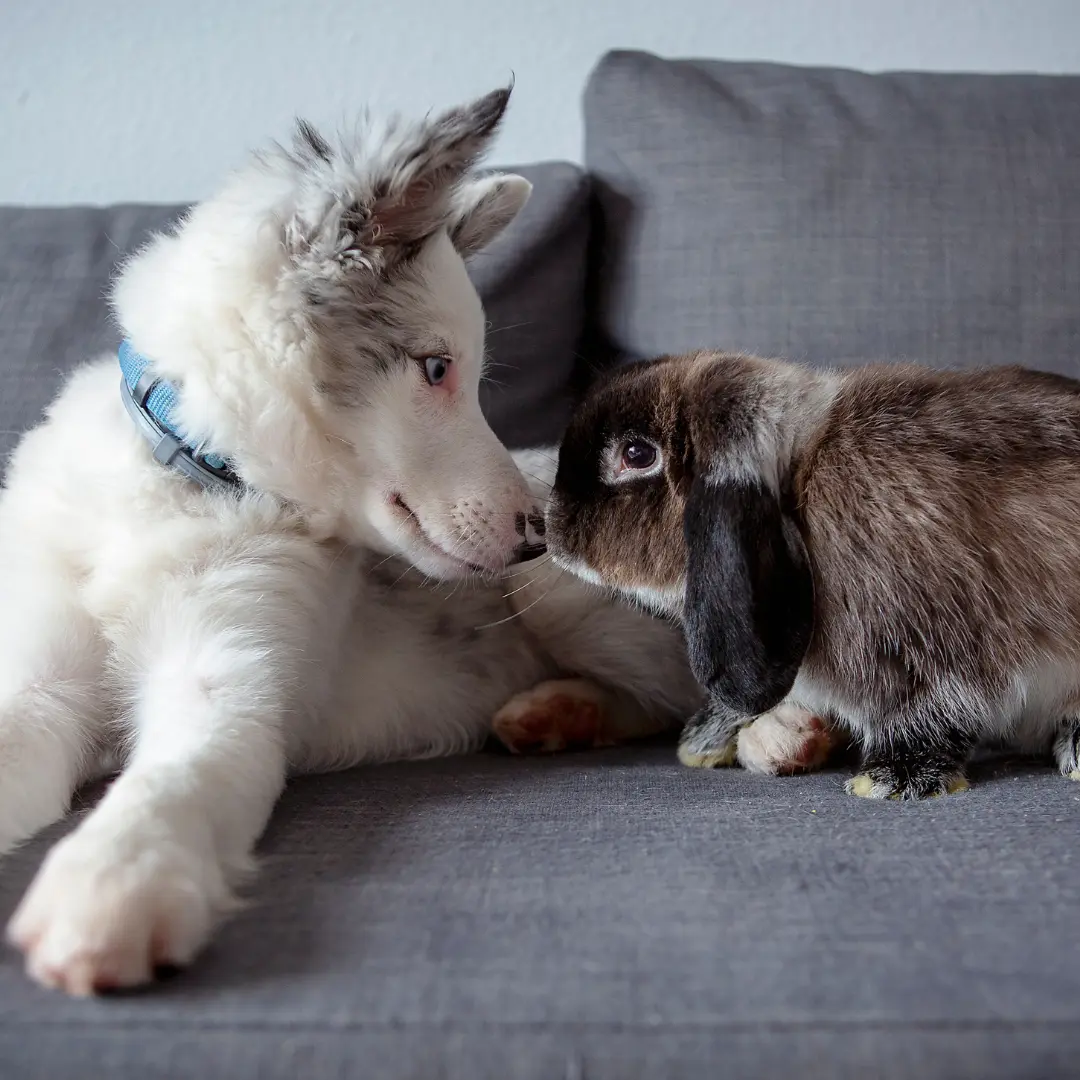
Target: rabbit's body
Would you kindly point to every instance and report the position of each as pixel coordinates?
(941, 512)
(892, 546)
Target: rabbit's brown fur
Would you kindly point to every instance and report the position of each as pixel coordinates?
(894, 546)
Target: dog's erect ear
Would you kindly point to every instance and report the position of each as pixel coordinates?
(483, 208)
(749, 607)
(420, 177)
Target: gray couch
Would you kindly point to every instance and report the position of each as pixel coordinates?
(612, 915)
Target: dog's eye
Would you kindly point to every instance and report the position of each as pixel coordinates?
(638, 454)
(435, 369)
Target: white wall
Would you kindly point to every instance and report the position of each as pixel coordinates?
(145, 100)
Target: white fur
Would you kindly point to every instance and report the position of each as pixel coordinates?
(210, 642)
(786, 739)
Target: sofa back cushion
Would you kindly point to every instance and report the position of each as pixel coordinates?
(834, 216)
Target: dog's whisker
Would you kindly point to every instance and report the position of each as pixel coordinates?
(538, 479)
(337, 558)
(403, 575)
(453, 591)
(541, 579)
(528, 568)
(513, 592)
(383, 562)
(515, 615)
(511, 326)
(552, 571)
(514, 513)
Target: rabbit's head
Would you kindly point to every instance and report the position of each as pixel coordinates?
(674, 488)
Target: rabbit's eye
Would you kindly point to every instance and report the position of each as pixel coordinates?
(638, 454)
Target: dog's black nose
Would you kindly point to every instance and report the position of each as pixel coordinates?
(528, 552)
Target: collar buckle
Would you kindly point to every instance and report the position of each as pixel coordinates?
(149, 401)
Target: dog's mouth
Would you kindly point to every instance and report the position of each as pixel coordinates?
(409, 519)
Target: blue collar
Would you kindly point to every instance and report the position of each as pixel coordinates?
(150, 401)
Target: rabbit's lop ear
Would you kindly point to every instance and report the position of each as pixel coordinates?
(749, 607)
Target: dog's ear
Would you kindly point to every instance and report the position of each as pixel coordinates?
(483, 208)
(415, 192)
(749, 604)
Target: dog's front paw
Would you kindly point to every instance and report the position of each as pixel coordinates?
(98, 919)
(883, 782)
(556, 715)
(784, 741)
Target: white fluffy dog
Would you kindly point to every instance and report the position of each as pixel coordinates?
(314, 346)
(217, 575)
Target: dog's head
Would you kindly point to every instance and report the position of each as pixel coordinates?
(325, 337)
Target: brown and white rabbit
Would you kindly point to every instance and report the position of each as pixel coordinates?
(894, 547)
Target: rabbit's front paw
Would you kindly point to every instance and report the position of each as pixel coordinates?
(1067, 750)
(710, 739)
(885, 782)
(715, 757)
(787, 740)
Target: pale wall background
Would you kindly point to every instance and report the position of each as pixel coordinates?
(149, 100)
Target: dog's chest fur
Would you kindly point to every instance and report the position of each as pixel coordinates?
(420, 669)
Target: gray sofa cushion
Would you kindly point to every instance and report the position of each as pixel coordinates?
(835, 216)
(611, 916)
(532, 281)
(56, 265)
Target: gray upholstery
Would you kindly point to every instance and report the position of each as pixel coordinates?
(612, 916)
(834, 216)
(532, 281)
(56, 265)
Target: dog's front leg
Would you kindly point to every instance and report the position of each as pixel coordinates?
(142, 880)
